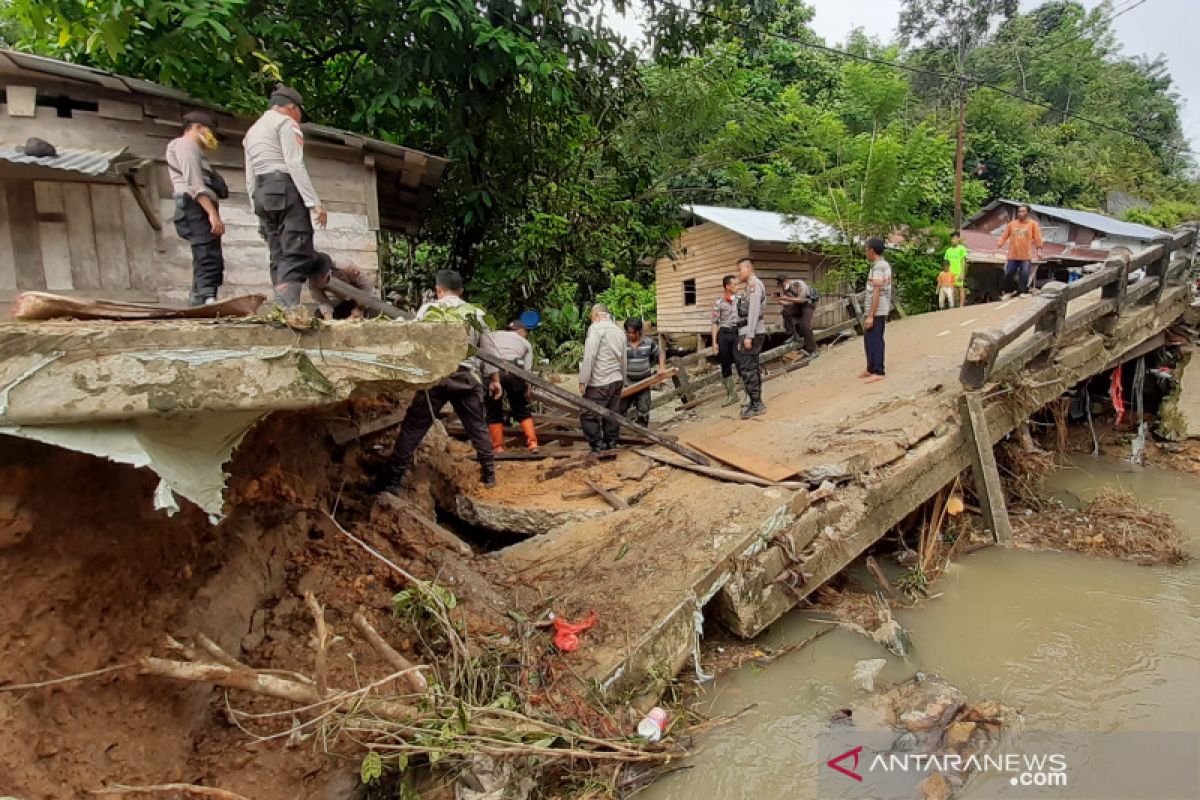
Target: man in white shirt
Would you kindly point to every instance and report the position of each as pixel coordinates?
(601, 378)
(282, 194)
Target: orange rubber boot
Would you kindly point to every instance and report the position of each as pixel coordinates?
(530, 434)
(496, 429)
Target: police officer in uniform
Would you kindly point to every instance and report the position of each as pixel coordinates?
(752, 330)
(283, 197)
(197, 189)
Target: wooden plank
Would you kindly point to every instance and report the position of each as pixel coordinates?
(721, 473)
(115, 109)
(8, 264)
(372, 192)
(110, 237)
(746, 460)
(23, 229)
(52, 233)
(350, 433)
(140, 243)
(21, 100)
(81, 237)
(983, 467)
(609, 497)
(653, 380)
(683, 383)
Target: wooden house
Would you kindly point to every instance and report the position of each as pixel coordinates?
(96, 219)
(689, 281)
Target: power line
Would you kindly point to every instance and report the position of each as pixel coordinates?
(960, 79)
(1080, 33)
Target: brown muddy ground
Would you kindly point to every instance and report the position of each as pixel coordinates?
(94, 577)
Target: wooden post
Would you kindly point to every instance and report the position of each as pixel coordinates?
(983, 466)
(683, 383)
(1114, 291)
(1054, 320)
(1159, 270)
(366, 299)
(856, 309)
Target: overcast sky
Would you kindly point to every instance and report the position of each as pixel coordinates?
(1155, 27)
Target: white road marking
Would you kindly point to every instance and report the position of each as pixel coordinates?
(968, 322)
(943, 333)
(1005, 304)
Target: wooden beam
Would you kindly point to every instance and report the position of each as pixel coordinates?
(587, 405)
(143, 200)
(683, 382)
(720, 473)
(608, 496)
(653, 380)
(983, 466)
(367, 300)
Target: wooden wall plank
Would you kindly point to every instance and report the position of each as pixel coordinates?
(139, 243)
(23, 229)
(81, 236)
(110, 237)
(52, 234)
(8, 264)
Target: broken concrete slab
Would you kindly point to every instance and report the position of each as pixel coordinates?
(178, 396)
(54, 373)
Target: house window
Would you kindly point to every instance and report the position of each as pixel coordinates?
(689, 292)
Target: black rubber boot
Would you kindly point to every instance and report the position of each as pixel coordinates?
(390, 479)
(487, 474)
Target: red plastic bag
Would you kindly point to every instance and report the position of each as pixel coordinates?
(566, 634)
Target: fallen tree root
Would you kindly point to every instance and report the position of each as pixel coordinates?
(186, 788)
(231, 678)
(413, 679)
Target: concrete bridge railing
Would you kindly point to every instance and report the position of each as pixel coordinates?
(994, 352)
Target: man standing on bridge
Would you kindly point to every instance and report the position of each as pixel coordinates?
(879, 305)
(1024, 239)
(752, 329)
(601, 378)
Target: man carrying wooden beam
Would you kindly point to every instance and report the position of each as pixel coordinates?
(513, 346)
(462, 389)
(601, 377)
(641, 354)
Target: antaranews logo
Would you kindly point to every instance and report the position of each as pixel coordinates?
(836, 763)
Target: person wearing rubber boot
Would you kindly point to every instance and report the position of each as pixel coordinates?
(641, 356)
(513, 346)
(282, 194)
(462, 389)
(725, 336)
(198, 189)
(752, 332)
(601, 378)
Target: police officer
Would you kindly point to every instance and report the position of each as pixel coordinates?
(197, 189)
(513, 346)
(752, 330)
(283, 197)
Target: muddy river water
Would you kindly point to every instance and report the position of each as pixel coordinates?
(1077, 643)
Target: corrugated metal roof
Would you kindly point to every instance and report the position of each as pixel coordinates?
(767, 226)
(87, 162)
(1101, 222)
(1086, 219)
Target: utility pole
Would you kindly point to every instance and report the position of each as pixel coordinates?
(959, 153)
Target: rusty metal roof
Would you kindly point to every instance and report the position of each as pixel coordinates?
(86, 162)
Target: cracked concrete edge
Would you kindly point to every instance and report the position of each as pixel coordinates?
(752, 599)
(87, 374)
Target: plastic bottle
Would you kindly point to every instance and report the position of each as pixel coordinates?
(653, 724)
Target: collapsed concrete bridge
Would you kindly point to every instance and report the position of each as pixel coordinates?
(178, 397)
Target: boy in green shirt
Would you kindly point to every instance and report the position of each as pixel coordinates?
(956, 254)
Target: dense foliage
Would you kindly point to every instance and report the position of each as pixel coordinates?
(572, 149)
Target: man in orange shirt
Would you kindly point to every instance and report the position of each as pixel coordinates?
(1024, 239)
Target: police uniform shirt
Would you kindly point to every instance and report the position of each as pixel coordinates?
(186, 165)
(513, 347)
(275, 143)
(724, 312)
